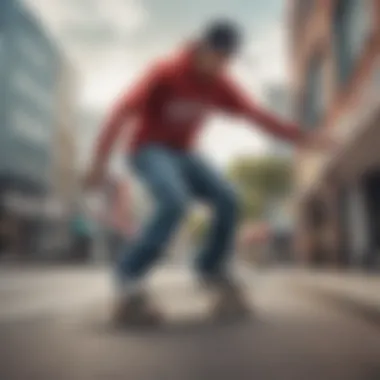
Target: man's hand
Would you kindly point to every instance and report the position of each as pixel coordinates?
(94, 177)
(320, 140)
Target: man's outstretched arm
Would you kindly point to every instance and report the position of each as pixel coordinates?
(233, 100)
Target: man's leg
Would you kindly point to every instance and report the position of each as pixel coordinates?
(213, 261)
(159, 169)
(209, 186)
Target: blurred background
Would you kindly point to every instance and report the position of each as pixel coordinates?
(64, 62)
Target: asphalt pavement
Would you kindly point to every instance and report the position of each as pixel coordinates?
(54, 324)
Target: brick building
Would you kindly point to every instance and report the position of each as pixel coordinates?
(335, 52)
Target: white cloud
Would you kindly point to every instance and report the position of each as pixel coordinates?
(265, 60)
(124, 16)
(224, 139)
(104, 66)
(107, 77)
(90, 30)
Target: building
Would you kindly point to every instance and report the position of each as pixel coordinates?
(280, 218)
(66, 179)
(252, 243)
(90, 121)
(115, 216)
(28, 85)
(335, 50)
(65, 173)
(278, 99)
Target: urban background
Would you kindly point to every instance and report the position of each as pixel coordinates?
(42, 213)
(308, 245)
(298, 206)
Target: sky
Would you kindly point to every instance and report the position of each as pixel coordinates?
(111, 42)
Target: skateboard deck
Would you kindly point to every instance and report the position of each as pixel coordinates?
(186, 311)
(183, 304)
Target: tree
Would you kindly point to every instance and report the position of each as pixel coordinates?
(197, 223)
(251, 203)
(260, 180)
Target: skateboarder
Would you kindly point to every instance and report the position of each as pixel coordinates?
(169, 105)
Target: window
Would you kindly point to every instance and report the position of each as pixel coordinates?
(2, 35)
(304, 7)
(302, 12)
(25, 84)
(2, 52)
(314, 101)
(317, 213)
(352, 28)
(30, 49)
(26, 127)
(3, 10)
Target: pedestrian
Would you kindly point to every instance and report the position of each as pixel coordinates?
(82, 241)
(169, 105)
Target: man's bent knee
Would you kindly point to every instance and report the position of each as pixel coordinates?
(174, 208)
(228, 202)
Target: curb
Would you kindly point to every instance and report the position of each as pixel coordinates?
(356, 307)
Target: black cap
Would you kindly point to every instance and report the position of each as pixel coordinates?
(223, 36)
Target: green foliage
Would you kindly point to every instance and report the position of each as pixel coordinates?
(251, 203)
(260, 180)
(197, 223)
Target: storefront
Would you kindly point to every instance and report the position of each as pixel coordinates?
(341, 202)
(29, 223)
(21, 222)
(29, 66)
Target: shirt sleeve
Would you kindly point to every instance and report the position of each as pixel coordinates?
(128, 105)
(233, 100)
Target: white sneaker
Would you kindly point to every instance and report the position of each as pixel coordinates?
(133, 307)
(229, 301)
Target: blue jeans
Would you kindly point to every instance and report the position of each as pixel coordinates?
(174, 178)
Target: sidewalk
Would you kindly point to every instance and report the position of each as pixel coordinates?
(357, 292)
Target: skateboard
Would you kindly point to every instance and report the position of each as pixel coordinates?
(185, 311)
(184, 307)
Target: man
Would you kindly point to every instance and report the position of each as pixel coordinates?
(169, 106)
(120, 217)
(81, 233)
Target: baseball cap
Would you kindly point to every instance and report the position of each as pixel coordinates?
(223, 36)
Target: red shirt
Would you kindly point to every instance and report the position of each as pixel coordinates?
(172, 101)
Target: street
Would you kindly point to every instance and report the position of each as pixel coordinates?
(53, 325)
